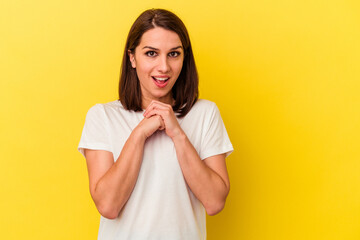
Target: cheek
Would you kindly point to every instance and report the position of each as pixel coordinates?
(143, 69)
(177, 66)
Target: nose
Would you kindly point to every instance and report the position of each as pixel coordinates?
(163, 65)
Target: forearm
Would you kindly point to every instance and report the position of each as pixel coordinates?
(114, 189)
(209, 187)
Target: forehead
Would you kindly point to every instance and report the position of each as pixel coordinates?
(160, 38)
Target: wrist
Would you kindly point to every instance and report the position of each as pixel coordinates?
(179, 136)
(138, 136)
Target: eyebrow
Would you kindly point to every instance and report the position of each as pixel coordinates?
(158, 49)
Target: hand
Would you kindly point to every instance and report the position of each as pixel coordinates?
(149, 125)
(165, 111)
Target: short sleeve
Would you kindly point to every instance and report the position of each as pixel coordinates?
(95, 134)
(215, 138)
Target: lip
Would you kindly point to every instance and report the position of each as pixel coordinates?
(159, 84)
(162, 76)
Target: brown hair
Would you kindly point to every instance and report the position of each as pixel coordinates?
(185, 90)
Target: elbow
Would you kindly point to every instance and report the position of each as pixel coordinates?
(215, 208)
(107, 211)
(105, 206)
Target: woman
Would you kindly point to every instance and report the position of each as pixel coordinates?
(156, 157)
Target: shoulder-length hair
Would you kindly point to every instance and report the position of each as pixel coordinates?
(185, 90)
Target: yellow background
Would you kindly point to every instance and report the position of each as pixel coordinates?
(284, 74)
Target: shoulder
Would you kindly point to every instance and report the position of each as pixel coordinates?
(104, 110)
(106, 107)
(202, 109)
(203, 104)
(113, 105)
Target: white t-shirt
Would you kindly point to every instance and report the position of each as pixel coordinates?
(161, 206)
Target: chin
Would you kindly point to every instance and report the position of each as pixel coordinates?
(161, 95)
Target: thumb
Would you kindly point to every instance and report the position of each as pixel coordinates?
(162, 124)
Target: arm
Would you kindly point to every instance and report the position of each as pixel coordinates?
(111, 183)
(207, 179)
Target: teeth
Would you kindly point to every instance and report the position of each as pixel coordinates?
(161, 79)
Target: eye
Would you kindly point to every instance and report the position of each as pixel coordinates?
(174, 54)
(151, 54)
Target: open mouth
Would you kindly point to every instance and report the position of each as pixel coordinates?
(160, 82)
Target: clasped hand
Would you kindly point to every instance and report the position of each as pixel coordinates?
(160, 116)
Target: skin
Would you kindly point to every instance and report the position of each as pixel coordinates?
(164, 61)
(111, 183)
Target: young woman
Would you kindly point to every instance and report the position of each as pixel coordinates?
(156, 157)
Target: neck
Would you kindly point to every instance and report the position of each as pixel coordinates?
(167, 100)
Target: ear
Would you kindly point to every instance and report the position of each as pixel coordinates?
(132, 59)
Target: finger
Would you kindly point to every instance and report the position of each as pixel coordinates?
(159, 120)
(165, 105)
(158, 103)
(155, 107)
(151, 106)
(162, 126)
(154, 112)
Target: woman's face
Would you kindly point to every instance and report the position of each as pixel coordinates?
(158, 60)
